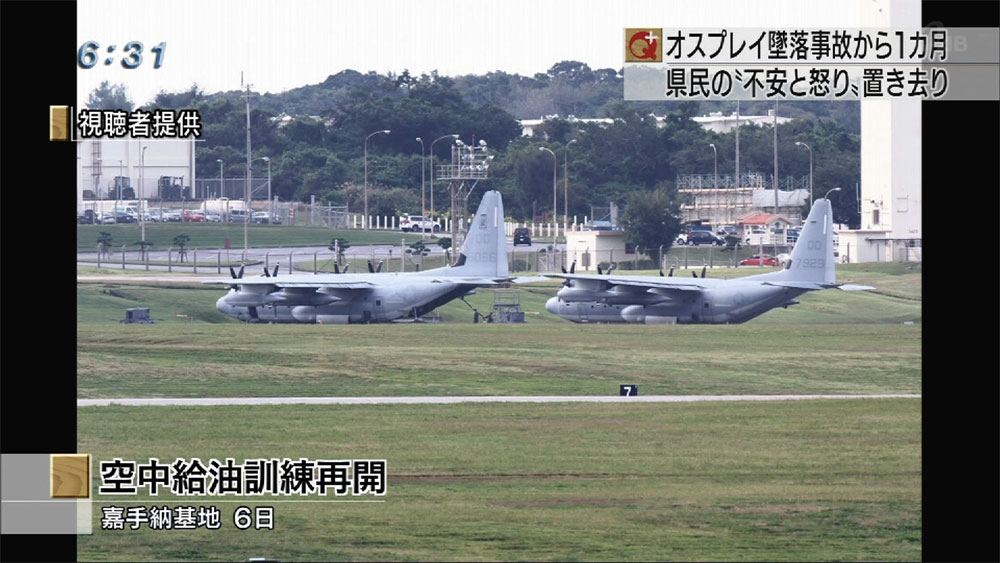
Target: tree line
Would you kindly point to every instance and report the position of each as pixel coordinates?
(315, 135)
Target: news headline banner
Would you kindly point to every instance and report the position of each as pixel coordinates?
(812, 64)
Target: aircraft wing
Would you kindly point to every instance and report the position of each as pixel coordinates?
(852, 287)
(326, 285)
(654, 283)
(819, 285)
(469, 280)
(290, 282)
(647, 282)
(527, 279)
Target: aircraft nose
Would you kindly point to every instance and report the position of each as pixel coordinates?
(552, 305)
(224, 307)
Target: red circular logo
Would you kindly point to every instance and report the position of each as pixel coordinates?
(649, 52)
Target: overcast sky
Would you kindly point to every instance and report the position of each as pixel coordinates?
(284, 44)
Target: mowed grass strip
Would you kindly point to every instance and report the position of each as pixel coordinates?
(214, 235)
(816, 480)
(234, 360)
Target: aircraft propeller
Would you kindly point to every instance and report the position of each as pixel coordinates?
(236, 277)
(269, 275)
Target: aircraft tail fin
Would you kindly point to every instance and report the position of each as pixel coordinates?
(811, 259)
(484, 252)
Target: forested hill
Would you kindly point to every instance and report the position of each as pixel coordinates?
(315, 137)
(568, 88)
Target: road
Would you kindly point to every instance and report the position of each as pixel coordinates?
(271, 256)
(218, 401)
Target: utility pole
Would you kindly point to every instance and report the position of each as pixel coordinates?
(566, 186)
(246, 194)
(775, 157)
(423, 193)
(737, 197)
(737, 144)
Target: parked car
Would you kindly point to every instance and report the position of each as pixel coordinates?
(106, 218)
(755, 260)
(264, 218)
(727, 230)
(122, 217)
(414, 223)
(171, 215)
(238, 216)
(703, 237)
(213, 218)
(193, 216)
(522, 235)
(86, 217)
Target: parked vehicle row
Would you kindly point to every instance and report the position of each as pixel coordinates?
(157, 214)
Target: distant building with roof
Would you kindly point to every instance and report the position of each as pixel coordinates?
(714, 121)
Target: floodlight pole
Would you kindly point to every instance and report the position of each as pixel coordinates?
(142, 176)
(453, 136)
(555, 166)
(365, 218)
(801, 144)
(423, 193)
(566, 185)
(715, 151)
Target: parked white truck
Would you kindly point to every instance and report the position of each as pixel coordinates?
(222, 206)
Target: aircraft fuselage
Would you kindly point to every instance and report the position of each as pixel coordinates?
(377, 304)
(734, 303)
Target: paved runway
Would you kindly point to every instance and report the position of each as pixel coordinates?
(453, 400)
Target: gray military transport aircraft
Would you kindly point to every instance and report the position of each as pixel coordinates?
(666, 299)
(374, 297)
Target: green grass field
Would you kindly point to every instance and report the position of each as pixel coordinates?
(233, 360)
(814, 480)
(196, 351)
(214, 235)
(824, 480)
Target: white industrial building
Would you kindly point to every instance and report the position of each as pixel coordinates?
(589, 248)
(891, 210)
(714, 121)
(141, 162)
